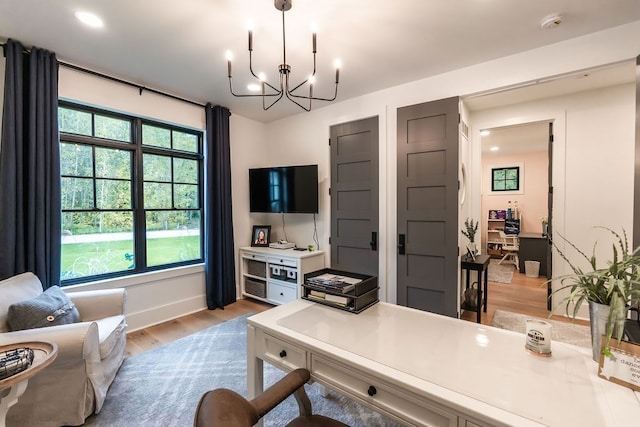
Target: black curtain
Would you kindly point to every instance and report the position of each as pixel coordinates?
(30, 166)
(220, 272)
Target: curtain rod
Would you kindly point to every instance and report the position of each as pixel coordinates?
(125, 82)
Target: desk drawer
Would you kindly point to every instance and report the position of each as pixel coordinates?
(282, 354)
(281, 293)
(254, 257)
(385, 397)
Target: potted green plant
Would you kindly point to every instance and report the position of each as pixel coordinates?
(470, 230)
(608, 290)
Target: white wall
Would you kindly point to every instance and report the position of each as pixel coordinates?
(593, 163)
(307, 133)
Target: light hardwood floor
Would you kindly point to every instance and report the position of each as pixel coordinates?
(523, 295)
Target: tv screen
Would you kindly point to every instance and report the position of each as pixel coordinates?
(286, 189)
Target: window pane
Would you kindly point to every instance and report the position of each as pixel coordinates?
(498, 185)
(498, 174)
(96, 243)
(185, 142)
(112, 128)
(157, 196)
(185, 196)
(76, 193)
(185, 171)
(113, 194)
(157, 168)
(112, 163)
(172, 237)
(511, 174)
(76, 160)
(73, 121)
(511, 184)
(156, 137)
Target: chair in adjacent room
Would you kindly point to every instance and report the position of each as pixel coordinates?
(226, 408)
(510, 248)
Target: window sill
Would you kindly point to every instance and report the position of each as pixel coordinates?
(138, 279)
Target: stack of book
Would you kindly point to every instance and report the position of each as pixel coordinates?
(323, 296)
(333, 283)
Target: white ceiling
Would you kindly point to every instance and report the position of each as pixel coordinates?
(179, 46)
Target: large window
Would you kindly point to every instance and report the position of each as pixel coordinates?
(131, 194)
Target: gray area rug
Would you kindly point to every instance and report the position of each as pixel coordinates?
(560, 331)
(502, 273)
(162, 387)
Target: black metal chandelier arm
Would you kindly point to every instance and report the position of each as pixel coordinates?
(313, 74)
(290, 98)
(251, 95)
(315, 98)
(265, 108)
(262, 81)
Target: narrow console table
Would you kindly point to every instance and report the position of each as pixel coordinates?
(276, 275)
(481, 266)
(423, 369)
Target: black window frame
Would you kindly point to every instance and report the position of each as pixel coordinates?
(138, 149)
(505, 169)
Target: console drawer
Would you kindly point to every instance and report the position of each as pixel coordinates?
(282, 354)
(281, 293)
(283, 261)
(385, 397)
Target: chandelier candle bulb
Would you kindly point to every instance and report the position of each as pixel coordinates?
(337, 75)
(314, 42)
(250, 40)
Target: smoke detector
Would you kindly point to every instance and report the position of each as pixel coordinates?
(551, 21)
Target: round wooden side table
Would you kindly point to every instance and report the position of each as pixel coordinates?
(43, 354)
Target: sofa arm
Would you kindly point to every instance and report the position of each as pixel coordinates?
(94, 305)
(74, 340)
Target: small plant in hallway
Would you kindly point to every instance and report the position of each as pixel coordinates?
(470, 229)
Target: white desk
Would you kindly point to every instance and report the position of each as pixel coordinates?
(428, 369)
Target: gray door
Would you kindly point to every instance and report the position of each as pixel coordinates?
(354, 196)
(428, 206)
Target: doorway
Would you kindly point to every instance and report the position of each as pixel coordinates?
(516, 203)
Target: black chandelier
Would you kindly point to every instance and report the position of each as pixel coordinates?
(285, 71)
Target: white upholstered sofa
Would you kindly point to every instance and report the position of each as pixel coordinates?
(89, 355)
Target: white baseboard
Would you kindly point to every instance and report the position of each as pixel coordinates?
(159, 314)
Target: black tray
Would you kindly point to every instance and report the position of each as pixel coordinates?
(366, 284)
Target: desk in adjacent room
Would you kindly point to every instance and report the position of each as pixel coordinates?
(533, 247)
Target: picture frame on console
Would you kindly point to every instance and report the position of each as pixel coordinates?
(261, 235)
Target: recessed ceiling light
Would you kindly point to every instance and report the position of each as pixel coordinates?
(494, 148)
(253, 87)
(90, 19)
(484, 132)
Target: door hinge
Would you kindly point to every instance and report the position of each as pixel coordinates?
(550, 138)
(550, 190)
(459, 118)
(329, 239)
(329, 190)
(329, 142)
(458, 184)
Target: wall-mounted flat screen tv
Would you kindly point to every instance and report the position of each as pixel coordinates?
(286, 189)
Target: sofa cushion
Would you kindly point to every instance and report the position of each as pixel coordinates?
(16, 289)
(110, 331)
(50, 308)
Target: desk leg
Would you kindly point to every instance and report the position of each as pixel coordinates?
(255, 373)
(10, 399)
(486, 292)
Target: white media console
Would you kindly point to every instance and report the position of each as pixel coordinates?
(276, 275)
